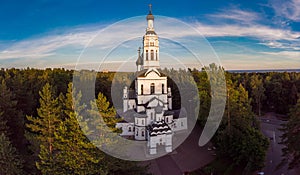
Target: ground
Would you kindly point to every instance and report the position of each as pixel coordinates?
(269, 127)
(186, 158)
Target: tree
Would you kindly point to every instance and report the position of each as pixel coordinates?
(257, 91)
(3, 124)
(10, 115)
(100, 107)
(75, 153)
(10, 161)
(44, 127)
(291, 137)
(238, 138)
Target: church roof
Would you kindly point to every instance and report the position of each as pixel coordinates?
(154, 98)
(144, 72)
(150, 16)
(159, 128)
(179, 113)
(150, 32)
(127, 116)
(139, 61)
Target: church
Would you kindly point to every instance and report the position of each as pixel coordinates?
(147, 109)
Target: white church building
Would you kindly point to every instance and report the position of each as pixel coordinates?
(147, 110)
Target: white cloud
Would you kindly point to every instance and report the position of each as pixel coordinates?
(285, 54)
(257, 31)
(289, 9)
(236, 15)
(45, 46)
(98, 38)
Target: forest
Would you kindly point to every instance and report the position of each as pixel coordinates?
(40, 133)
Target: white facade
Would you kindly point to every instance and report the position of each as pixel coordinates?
(147, 109)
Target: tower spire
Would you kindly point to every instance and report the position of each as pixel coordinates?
(150, 44)
(150, 8)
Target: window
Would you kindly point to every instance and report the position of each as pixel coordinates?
(142, 122)
(152, 88)
(147, 55)
(163, 88)
(142, 89)
(129, 129)
(143, 133)
(151, 43)
(152, 55)
(156, 56)
(167, 119)
(151, 116)
(137, 133)
(181, 123)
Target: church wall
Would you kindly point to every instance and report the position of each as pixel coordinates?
(142, 99)
(127, 128)
(151, 116)
(180, 124)
(168, 119)
(131, 104)
(146, 82)
(140, 133)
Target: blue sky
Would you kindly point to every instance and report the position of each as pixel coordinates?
(252, 34)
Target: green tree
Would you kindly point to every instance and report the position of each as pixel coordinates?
(11, 115)
(10, 161)
(75, 153)
(98, 127)
(3, 124)
(257, 91)
(291, 137)
(44, 127)
(238, 138)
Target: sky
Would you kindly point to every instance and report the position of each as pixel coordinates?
(244, 34)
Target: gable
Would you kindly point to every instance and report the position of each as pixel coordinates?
(152, 75)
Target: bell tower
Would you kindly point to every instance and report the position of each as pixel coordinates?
(150, 44)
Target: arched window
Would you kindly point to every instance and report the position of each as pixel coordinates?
(142, 89)
(152, 88)
(156, 56)
(163, 88)
(147, 55)
(143, 133)
(152, 55)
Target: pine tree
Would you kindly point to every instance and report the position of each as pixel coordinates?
(76, 154)
(258, 91)
(291, 137)
(11, 115)
(10, 161)
(44, 127)
(101, 132)
(238, 138)
(3, 124)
